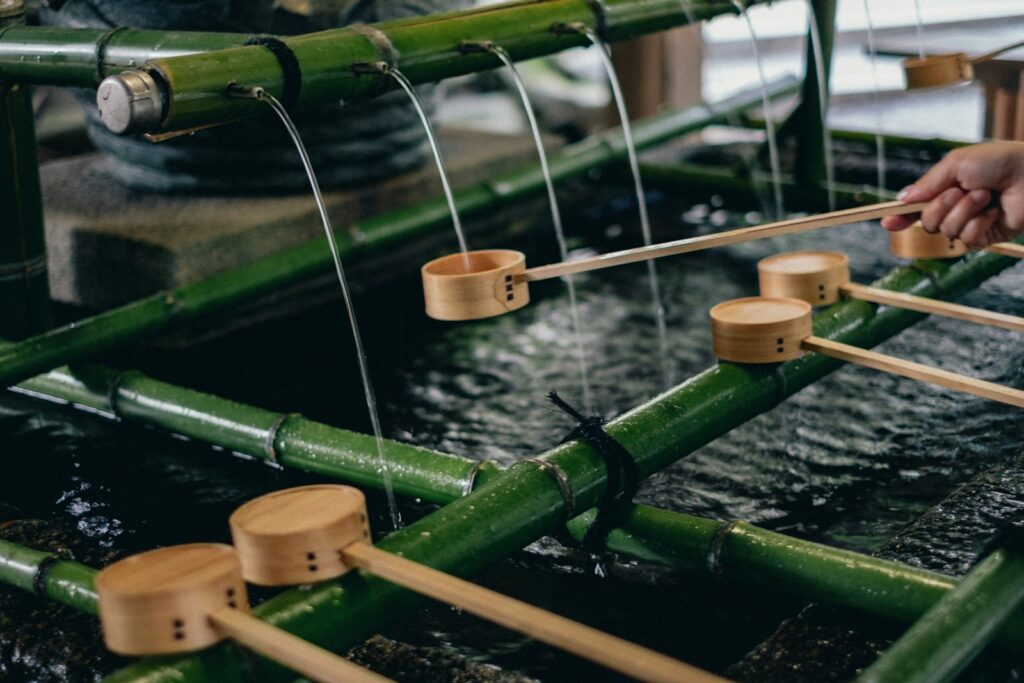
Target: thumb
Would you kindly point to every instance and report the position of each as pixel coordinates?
(940, 177)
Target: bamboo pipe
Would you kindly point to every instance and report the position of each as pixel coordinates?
(946, 69)
(187, 597)
(321, 532)
(775, 329)
(191, 88)
(495, 280)
(940, 645)
(823, 277)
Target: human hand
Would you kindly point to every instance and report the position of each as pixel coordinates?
(961, 189)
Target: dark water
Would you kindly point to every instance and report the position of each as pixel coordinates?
(850, 461)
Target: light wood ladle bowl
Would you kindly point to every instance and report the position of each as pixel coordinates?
(946, 69)
(759, 330)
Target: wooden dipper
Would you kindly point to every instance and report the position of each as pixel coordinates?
(188, 597)
(946, 69)
(495, 281)
(769, 330)
(319, 532)
(823, 277)
(916, 242)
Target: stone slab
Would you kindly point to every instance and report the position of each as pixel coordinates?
(109, 244)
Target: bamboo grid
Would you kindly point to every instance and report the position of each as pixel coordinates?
(477, 525)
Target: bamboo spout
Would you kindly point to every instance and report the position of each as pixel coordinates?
(495, 281)
(312, 533)
(770, 330)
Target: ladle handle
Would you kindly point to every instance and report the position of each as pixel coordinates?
(995, 53)
(935, 306)
(922, 373)
(301, 656)
(614, 653)
(1007, 249)
(804, 224)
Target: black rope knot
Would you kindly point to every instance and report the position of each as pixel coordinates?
(622, 481)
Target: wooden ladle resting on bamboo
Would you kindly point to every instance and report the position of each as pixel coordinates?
(947, 69)
(313, 533)
(775, 329)
(187, 597)
(481, 284)
(822, 278)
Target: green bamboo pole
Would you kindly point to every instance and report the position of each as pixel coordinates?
(525, 502)
(82, 57)
(751, 120)
(425, 49)
(287, 440)
(24, 286)
(158, 312)
(956, 629)
(47, 575)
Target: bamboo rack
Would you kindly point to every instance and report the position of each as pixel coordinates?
(425, 49)
(483, 527)
(205, 297)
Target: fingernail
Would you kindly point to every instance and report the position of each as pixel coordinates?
(905, 193)
(979, 197)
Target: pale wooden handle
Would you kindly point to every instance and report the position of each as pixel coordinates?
(1007, 249)
(614, 653)
(301, 656)
(926, 305)
(995, 53)
(923, 373)
(721, 239)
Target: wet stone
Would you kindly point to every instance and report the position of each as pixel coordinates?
(404, 662)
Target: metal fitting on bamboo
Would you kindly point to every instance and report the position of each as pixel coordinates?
(454, 292)
(916, 242)
(320, 532)
(188, 597)
(760, 330)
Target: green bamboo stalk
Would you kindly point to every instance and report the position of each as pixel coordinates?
(956, 629)
(82, 57)
(425, 49)
(809, 166)
(290, 441)
(159, 311)
(24, 286)
(64, 581)
(525, 502)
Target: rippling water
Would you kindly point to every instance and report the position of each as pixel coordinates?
(850, 461)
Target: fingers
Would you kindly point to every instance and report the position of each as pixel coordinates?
(939, 208)
(941, 177)
(982, 230)
(966, 209)
(897, 223)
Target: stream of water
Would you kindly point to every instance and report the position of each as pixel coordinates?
(556, 222)
(668, 374)
(339, 268)
(920, 29)
(877, 105)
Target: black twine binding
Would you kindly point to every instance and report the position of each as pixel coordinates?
(290, 69)
(623, 479)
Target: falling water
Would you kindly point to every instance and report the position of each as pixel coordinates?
(645, 224)
(879, 137)
(920, 29)
(364, 370)
(823, 103)
(773, 143)
(411, 92)
(556, 220)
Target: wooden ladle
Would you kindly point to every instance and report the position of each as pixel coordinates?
(312, 533)
(188, 597)
(481, 284)
(946, 69)
(823, 277)
(774, 329)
